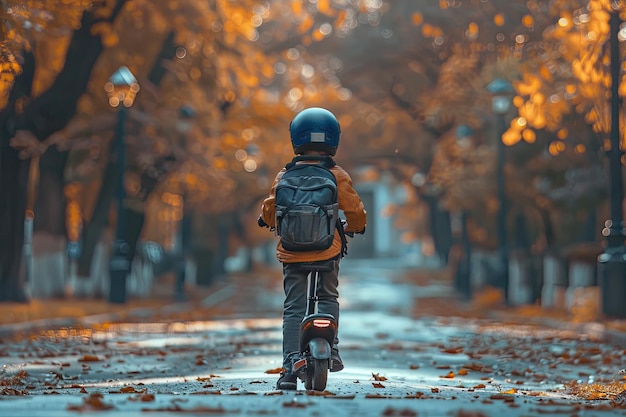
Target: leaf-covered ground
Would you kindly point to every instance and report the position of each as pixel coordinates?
(409, 350)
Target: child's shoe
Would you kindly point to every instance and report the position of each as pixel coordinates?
(336, 360)
(287, 382)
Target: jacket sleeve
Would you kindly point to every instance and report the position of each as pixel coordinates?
(350, 202)
(268, 209)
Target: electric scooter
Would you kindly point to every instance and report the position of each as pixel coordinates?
(317, 335)
(317, 330)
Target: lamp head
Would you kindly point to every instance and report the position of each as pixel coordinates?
(501, 93)
(122, 87)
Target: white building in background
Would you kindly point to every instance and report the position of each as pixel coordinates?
(383, 239)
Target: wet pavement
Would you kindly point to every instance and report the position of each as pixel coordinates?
(224, 360)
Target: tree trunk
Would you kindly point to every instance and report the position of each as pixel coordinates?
(92, 229)
(548, 230)
(13, 179)
(440, 228)
(134, 222)
(48, 275)
(590, 231)
(13, 190)
(522, 239)
(43, 115)
(50, 204)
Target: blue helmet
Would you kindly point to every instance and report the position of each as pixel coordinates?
(315, 129)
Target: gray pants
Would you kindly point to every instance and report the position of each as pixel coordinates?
(296, 286)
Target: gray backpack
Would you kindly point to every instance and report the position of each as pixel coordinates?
(307, 211)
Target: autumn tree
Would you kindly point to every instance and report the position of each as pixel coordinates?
(401, 76)
(113, 25)
(410, 47)
(172, 48)
(39, 99)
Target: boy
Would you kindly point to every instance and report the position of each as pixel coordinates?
(314, 132)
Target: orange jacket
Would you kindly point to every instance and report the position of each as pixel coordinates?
(349, 201)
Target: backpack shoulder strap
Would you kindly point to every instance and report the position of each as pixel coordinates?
(326, 161)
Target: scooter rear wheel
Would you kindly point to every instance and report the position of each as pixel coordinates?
(317, 375)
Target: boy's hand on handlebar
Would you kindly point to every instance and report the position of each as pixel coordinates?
(344, 223)
(351, 234)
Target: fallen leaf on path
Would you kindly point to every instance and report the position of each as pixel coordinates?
(126, 390)
(206, 378)
(196, 410)
(619, 401)
(453, 350)
(509, 391)
(378, 377)
(341, 397)
(92, 403)
(463, 413)
(597, 391)
(144, 397)
(553, 411)
(375, 396)
(16, 379)
(275, 371)
(393, 346)
(406, 412)
(89, 358)
(294, 404)
(478, 368)
(505, 398)
(13, 392)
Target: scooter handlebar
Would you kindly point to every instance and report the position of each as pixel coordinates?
(351, 234)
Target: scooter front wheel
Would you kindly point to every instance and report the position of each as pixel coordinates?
(317, 375)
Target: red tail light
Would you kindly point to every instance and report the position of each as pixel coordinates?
(321, 323)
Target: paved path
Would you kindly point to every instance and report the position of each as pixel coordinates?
(220, 359)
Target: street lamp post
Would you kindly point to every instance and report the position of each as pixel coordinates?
(463, 284)
(612, 262)
(502, 92)
(186, 115)
(121, 88)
